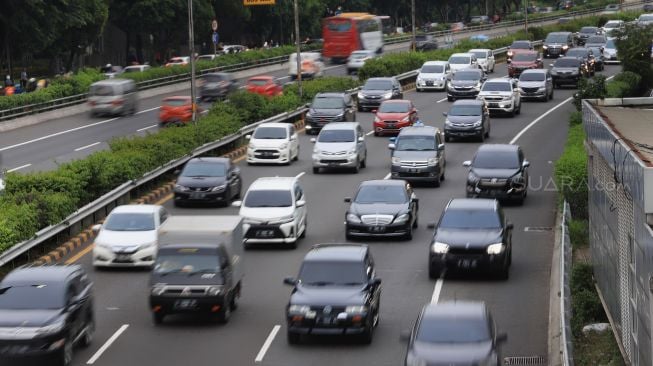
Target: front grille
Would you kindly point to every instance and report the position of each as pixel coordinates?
(493, 99)
(492, 183)
(186, 291)
(334, 310)
(200, 189)
(324, 119)
(377, 219)
(264, 232)
(463, 88)
(334, 161)
(466, 251)
(266, 154)
(529, 90)
(462, 124)
(414, 164)
(328, 153)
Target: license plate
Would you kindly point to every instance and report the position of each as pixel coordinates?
(196, 195)
(267, 153)
(377, 229)
(413, 170)
(327, 320)
(123, 257)
(493, 104)
(429, 83)
(264, 233)
(467, 263)
(185, 304)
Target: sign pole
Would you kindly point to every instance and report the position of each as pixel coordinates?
(299, 55)
(191, 41)
(214, 36)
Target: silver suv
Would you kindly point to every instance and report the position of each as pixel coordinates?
(536, 84)
(501, 95)
(340, 145)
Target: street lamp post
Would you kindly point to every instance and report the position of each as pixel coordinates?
(526, 16)
(412, 4)
(191, 45)
(299, 50)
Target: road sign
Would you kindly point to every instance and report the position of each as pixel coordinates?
(214, 25)
(215, 38)
(258, 2)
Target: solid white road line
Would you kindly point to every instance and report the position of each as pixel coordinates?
(19, 168)
(147, 110)
(87, 146)
(300, 175)
(441, 100)
(369, 133)
(436, 291)
(387, 176)
(267, 344)
(145, 128)
(57, 134)
(108, 344)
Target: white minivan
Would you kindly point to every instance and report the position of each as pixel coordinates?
(433, 76)
(485, 57)
(460, 61)
(310, 63)
(275, 143)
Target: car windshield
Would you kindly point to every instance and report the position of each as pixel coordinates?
(523, 45)
(467, 75)
(268, 198)
(177, 102)
(452, 329)
(328, 103)
(325, 273)
(610, 44)
(480, 54)
(469, 219)
(415, 143)
(32, 296)
(530, 57)
(612, 24)
(596, 51)
(646, 17)
(204, 169)
(465, 110)
(496, 160)
(531, 76)
(394, 107)
(588, 30)
(270, 133)
(190, 264)
(128, 221)
(378, 85)
(596, 39)
(101, 90)
(566, 62)
(496, 86)
(556, 38)
(382, 193)
(214, 78)
(577, 52)
(258, 82)
(336, 136)
(339, 25)
(460, 60)
(432, 69)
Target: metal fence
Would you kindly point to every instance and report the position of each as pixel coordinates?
(566, 339)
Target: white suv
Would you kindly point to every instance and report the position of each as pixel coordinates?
(273, 211)
(459, 61)
(433, 75)
(501, 95)
(485, 57)
(273, 143)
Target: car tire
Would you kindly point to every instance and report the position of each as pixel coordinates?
(86, 340)
(434, 273)
(364, 163)
(504, 273)
(361, 109)
(357, 168)
(551, 95)
(447, 138)
(415, 223)
(303, 234)
(419, 90)
(234, 299)
(481, 137)
(296, 158)
(225, 314)
(65, 356)
(367, 336)
(376, 134)
(436, 182)
(293, 338)
(513, 112)
(316, 170)
(158, 318)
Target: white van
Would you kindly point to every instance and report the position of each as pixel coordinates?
(459, 61)
(311, 65)
(113, 97)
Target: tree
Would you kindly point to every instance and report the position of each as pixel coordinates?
(634, 51)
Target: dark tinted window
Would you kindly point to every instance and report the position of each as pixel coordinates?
(394, 107)
(125, 221)
(176, 102)
(470, 219)
(381, 194)
(270, 133)
(337, 136)
(578, 52)
(566, 63)
(525, 57)
(102, 90)
(318, 273)
(268, 198)
(460, 60)
(204, 169)
(596, 39)
(378, 85)
(532, 76)
(415, 143)
(453, 329)
(496, 160)
(495, 86)
(556, 38)
(432, 69)
(521, 45)
(328, 103)
(590, 30)
(35, 296)
(465, 110)
(467, 75)
(188, 263)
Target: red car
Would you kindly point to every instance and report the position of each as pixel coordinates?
(522, 61)
(393, 115)
(518, 47)
(264, 85)
(176, 111)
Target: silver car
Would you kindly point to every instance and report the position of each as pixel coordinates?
(340, 145)
(536, 84)
(113, 96)
(357, 59)
(610, 52)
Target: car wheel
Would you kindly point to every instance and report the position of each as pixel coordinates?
(293, 338)
(504, 273)
(296, 155)
(434, 273)
(436, 182)
(225, 314)
(419, 90)
(447, 138)
(87, 338)
(234, 299)
(357, 167)
(303, 234)
(513, 112)
(158, 318)
(361, 109)
(316, 170)
(551, 95)
(415, 223)
(376, 134)
(66, 354)
(409, 234)
(481, 137)
(442, 176)
(364, 162)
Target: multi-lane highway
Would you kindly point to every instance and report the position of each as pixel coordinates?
(255, 335)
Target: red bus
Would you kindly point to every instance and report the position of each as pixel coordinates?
(348, 32)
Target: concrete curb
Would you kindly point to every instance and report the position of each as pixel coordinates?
(555, 292)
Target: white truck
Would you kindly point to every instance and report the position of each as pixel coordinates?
(199, 267)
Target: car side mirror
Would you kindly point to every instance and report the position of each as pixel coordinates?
(526, 164)
(445, 114)
(300, 203)
(510, 226)
(347, 199)
(502, 337)
(247, 137)
(391, 146)
(550, 65)
(415, 199)
(374, 281)
(96, 228)
(293, 137)
(441, 147)
(467, 163)
(290, 281)
(237, 203)
(404, 335)
(430, 225)
(313, 139)
(361, 139)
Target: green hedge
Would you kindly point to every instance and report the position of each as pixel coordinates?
(625, 84)
(585, 303)
(571, 172)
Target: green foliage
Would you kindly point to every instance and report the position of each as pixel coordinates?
(575, 118)
(585, 302)
(579, 233)
(594, 88)
(634, 51)
(570, 172)
(625, 84)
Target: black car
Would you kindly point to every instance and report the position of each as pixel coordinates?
(418, 155)
(585, 33)
(425, 42)
(467, 118)
(44, 312)
(599, 58)
(454, 333)
(471, 235)
(382, 208)
(216, 85)
(329, 107)
(568, 71)
(377, 90)
(586, 56)
(336, 293)
(498, 171)
(556, 44)
(208, 180)
(465, 83)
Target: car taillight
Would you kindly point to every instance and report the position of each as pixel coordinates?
(118, 102)
(92, 103)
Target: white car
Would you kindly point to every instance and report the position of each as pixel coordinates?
(273, 143)
(610, 52)
(433, 75)
(612, 26)
(459, 61)
(273, 211)
(485, 57)
(310, 63)
(644, 19)
(357, 59)
(340, 145)
(136, 68)
(501, 95)
(129, 236)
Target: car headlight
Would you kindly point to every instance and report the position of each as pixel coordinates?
(450, 86)
(507, 98)
(545, 47)
(52, 328)
(249, 221)
(214, 290)
(447, 122)
(554, 72)
(377, 119)
(472, 178)
(439, 248)
(308, 114)
(282, 220)
(432, 162)
(353, 218)
(352, 152)
(158, 290)
(146, 245)
(495, 248)
(414, 361)
(218, 188)
(396, 160)
(565, 47)
(179, 187)
(283, 146)
(360, 95)
(340, 115)
(477, 87)
(387, 95)
(356, 309)
(509, 53)
(299, 309)
(419, 79)
(478, 123)
(541, 88)
(317, 151)
(401, 219)
(405, 119)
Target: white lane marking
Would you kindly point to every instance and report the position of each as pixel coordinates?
(19, 168)
(147, 110)
(108, 344)
(369, 133)
(57, 134)
(536, 120)
(282, 78)
(300, 175)
(441, 100)
(387, 176)
(267, 344)
(146, 128)
(436, 291)
(87, 146)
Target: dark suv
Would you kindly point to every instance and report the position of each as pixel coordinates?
(377, 90)
(472, 234)
(418, 155)
(467, 118)
(336, 293)
(498, 171)
(585, 33)
(208, 180)
(465, 84)
(425, 42)
(329, 107)
(44, 312)
(557, 43)
(568, 70)
(586, 56)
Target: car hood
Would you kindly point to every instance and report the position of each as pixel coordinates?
(197, 279)
(331, 295)
(427, 75)
(494, 93)
(377, 208)
(474, 238)
(259, 143)
(464, 119)
(391, 116)
(564, 69)
(201, 182)
(335, 146)
(408, 155)
(464, 83)
(460, 66)
(28, 318)
(326, 112)
(375, 91)
(531, 84)
(265, 213)
(555, 44)
(455, 354)
(494, 173)
(121, 239)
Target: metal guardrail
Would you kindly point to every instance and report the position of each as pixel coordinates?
(566, 340)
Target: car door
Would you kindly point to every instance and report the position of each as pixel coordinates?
(412, 201)
(490, 60)
(294, 141)
(75, 305)
(440, 151)
(350, 112)
(360, 143)
(548, 82)
(515, 93)
(233, 179)
(163, 216)
(298, 192)
(370, 270)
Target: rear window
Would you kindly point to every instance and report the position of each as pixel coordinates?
(521, 45)
(432, 69)
(460, 60)
(176, 102)
(102, 90)
(467, 75)
(213, 78)
(336, 136)
(268, 198)
(566, 63)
